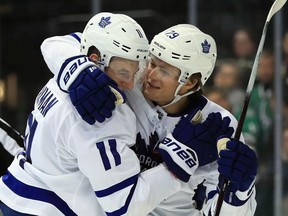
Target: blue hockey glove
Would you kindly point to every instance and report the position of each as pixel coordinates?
(192, 145)
(202, 138)
(91, 91)
(238, 164)
(181, 160)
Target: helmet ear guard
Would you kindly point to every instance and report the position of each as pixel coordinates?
(115, 35)
(187, 48)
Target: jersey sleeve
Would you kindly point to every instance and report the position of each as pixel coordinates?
(113, 169)
(57, 49)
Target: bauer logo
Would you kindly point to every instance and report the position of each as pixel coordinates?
(205, 46)
(159, 45)
(183, 154)
(73, 67)
(104, 22)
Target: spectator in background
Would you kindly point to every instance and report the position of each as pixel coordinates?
(244, 51)
(285, 77)
(285, 173)
(285, 51)
(227, 78)
(285, 123)
(258, 122)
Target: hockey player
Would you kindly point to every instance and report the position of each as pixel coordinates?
(70, 167)
(182, 59)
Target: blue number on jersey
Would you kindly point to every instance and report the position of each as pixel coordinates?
(32, 124)
(103, 153)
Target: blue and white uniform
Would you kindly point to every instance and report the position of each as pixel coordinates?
(153, 124)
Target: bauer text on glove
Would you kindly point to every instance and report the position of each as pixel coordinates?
(90, 89)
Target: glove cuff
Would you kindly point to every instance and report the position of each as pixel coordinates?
(239, 198)
(179, 158)
(243, 195)
(70, 69)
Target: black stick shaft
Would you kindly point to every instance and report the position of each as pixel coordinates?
(237, 136)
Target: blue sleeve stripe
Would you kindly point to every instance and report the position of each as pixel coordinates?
(117, 187)
(124, 208)
(76, 37)
(115, 153)
(34, 193)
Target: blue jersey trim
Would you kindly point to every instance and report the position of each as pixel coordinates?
(34, 193)
(117, 187)
(124, 208)
(76, 37)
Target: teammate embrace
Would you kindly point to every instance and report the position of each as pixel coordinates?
(79, 155)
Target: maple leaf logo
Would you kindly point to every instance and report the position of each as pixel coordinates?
(104, 22)
(205, 46)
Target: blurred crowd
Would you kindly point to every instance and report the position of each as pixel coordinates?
(227, 87)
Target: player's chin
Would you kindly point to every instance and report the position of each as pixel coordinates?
(150, 93)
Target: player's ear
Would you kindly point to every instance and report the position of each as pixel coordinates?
(94, 57)
(191, 83)
(194, 82)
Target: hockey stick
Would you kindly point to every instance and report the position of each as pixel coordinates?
(277, 5)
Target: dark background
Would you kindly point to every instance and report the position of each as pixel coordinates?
(24, 24)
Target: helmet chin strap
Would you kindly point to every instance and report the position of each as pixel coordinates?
(178, 97)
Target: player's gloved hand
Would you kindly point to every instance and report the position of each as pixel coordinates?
(91, 91)
(192, 145)
(202, 137)
(238, 164)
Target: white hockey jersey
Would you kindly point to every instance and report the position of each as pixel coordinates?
(73, 168)
(152, 125)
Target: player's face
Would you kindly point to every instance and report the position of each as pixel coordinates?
(123, 71)
(160, 81)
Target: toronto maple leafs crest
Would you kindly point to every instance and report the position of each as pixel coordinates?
(205, 46)
(104, 22)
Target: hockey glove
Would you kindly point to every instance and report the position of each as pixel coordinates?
(238, 164)
(91, 91)
(181, 160)
(202, 138)
(192, 145)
